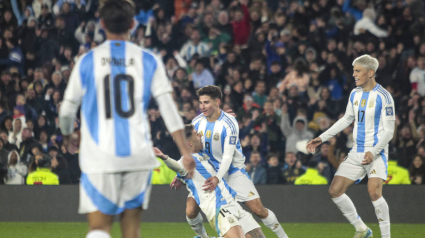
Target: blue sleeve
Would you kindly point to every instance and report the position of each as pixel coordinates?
(354, 12)
(143, 17)
(17, 13)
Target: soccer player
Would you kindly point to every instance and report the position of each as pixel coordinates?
(225, 215)
(371, 108)
(114, 83)
(220, 136)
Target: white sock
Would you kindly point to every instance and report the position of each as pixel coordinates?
(198, 226)
(98, 234)
(348, 209)
(271, 222)
(383, 214)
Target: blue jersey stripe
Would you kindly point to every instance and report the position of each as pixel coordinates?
(361, 123)
(378, 108)
(89, 105)
(192, 188)
(231, 191)
(352, 96)
(149, 67)
(210, 127)
(230, 123)
(223, 138)
(122, 130)
(387, 97)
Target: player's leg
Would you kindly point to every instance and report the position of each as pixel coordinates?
(99, 225)
(347, 173)
(377, 173)
(247, 193)
(234, 232)
(194, 218)
(256, 233)
(130, 222)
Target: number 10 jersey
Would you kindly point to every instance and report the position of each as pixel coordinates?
(114, 83)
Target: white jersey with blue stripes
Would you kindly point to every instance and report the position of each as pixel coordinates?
(114, 83)
(209, 202)
(218, 135)
(369, 111)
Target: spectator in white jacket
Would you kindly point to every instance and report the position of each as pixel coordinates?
(16, 170)
(90, 28)
(367, 24)
(36, 6)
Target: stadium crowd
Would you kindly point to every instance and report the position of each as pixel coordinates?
(284, 68)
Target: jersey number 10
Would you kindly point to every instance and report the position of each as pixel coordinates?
(117, 95)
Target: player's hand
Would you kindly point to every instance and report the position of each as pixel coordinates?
(188, 164)
(368, 158)
(230, 111)
(311, 146)
(176, 183)
(159, 154)
(210, 184)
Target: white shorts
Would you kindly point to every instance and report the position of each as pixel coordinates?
(241, 183)
(231, 215)
(111, 193)
(353, 169)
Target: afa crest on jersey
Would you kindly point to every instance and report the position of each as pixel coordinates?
(371, 103)
(216, 136)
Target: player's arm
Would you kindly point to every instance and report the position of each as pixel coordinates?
(161, 91)
(172, 164)
(72, 100)
(336, 128)
(388, 118)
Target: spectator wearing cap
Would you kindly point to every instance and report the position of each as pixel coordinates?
(367, 24)
(15, 58)
(45, 17)
(256, 171)
(292, 169)
(39, 5)
(201, 77)
(417, 76)
(297, 132)
(311, 176)
(43, 175)
(241, 22)
(194, 46)
(16, 170)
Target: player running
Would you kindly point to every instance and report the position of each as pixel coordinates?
(220, 136)
(225, 215)
(114, 83)
(371, 108)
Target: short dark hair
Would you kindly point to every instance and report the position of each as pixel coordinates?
(117, 15)
(188, 129)
(211, 90)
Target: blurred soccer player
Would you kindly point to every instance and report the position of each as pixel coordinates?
(114, 83)
(371, 108)
(220, 136)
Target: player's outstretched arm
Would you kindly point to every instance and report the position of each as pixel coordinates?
(172, 164)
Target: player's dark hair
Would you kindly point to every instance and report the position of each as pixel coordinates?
(188, 129)
(117, 15)
(213, 91)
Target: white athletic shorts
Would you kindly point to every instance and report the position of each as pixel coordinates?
(241, 183)
(353, 169)
(111, 193)
(231, 215)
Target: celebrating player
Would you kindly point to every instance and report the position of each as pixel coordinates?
(220, 136)
(114, 83)
(371, 108)
(225, 215)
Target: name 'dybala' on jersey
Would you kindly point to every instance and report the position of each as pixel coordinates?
(117, 61)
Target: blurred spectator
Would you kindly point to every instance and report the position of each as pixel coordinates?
(367, 24)
(259, 95)
(70, 154)
(416, 76)
(328, 160)
(194, 46)
(45, 17)
(3, 172)
(311, 176)
(60, 168)
(248, 107)
(256, 142)
(28, 142)
(43, 175)
(298, 76)
(256, 171)
(295, 133)
(417, 170)
(201, 77)
(240, 23)
(274, 170)
(16, 170)
(405, 140)
(292, 169)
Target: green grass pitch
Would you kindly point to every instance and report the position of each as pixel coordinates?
(182, 230)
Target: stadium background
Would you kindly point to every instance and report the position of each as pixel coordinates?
(279, 63)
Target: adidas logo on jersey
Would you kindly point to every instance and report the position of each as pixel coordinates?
(251, 194)
(356, 103)
(373, 172)
(275, 226)
(380, 219)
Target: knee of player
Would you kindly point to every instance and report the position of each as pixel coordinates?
(191, 213)
(334, 193)
(374, 194)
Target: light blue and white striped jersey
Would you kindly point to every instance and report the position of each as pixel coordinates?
(218, 136)
(207, 201)
(370, 110)
(114, 83)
